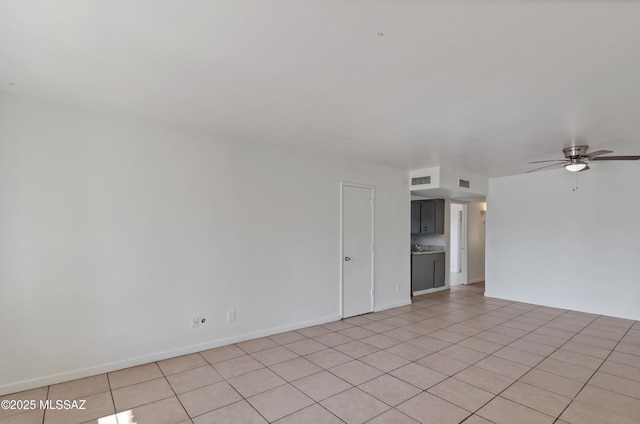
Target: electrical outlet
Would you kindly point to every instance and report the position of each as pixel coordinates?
(231, 315)
(195, 322)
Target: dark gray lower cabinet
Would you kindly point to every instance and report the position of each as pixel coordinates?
(427, 271)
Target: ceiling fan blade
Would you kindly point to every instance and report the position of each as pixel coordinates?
(547, 166)
(554, 160)
(617, 158)
(584, 169)
(598, 153)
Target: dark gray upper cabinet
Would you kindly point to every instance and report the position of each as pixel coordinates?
(415, 218)
(427, 216)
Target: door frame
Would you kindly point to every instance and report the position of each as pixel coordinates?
(463, 241)
(344, 184)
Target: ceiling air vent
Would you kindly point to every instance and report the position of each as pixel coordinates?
(421, 180)
(464, 183)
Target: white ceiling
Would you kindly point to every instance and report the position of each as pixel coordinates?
(478, 85)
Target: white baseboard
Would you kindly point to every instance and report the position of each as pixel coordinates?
(426, 291)
(477, 280)
(392, 305)
(152, 357)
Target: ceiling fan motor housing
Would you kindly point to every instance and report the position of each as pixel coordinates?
(575, 152)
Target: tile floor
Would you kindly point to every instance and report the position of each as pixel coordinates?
(450, 357)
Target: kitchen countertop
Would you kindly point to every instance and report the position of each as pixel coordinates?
(426, 252)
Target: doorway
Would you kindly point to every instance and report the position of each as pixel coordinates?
(457, 244)
(356, 261)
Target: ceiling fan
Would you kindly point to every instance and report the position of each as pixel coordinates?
(576, 158)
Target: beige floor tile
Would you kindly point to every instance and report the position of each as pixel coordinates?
(631, 349)
(80, 388)
(194, 379)
(280, 402)
(419, 376)
(396, 322)
(356, 333)
(390, 390)
(503, 367)
(536, 398)
(237, 366)
(255, 382)
(393, 416)
(586, 349)
(594, 341)
(209, 398)
(321, 385)
(288, 337)
(402, 334)
(354, 406)
(504, 411)
(461, 394)
(315, 414)
(621, 370)
(519, 356)
(554, 332)
(616, 384)
(448, 336)
(409, 351)
(508, 331)
(236, 413)
(359, 320)
(182, 363)
(614, 403)
(167, 411)
(464, 330)
(463, 354)
(585, 413)
(355, 372)
(315, 331)
(35, 395)
(220, 354)
(274, 355)
(338, 325)
(484, 379)
(328, 358)
(429, 343)
(476, 419)
(533, 347)
(295, 368)
(384, 361)
(256, 345)
(544, 340)
(430, 409)
(305, 347)
(378, 327)
(24, 417)
(96, 406)
(442, 364)
(480, 345)
(141, 394)
(333, 339)
(380, 341)
(554, 383)
(356, 349)
(603, 334)
(134, 375)
(625, 358)
(576, 358)
(501, 339)
(566, 369)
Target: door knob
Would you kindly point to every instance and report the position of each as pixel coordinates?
(347, 259)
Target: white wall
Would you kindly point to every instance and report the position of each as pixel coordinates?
(475, 242)
(115, 232)
(549, 245)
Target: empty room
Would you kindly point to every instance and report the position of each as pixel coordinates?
(278, 211)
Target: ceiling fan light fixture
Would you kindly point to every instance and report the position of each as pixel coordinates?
(575, 165)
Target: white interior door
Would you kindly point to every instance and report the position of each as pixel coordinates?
(357, 250)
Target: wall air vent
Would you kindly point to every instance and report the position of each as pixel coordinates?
(464, 183)
(421, 180)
